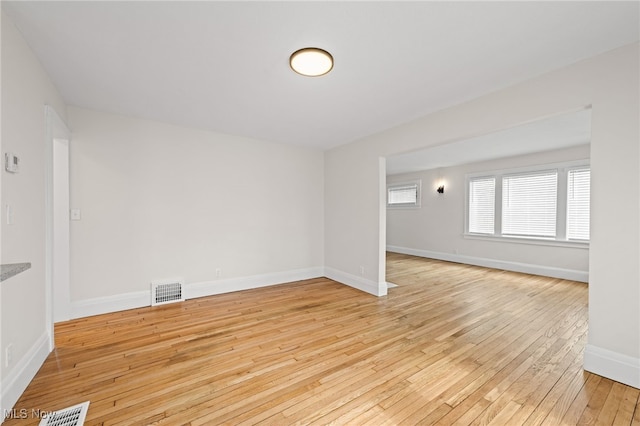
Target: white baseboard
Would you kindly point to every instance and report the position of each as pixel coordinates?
(209, 288)
(107, 304)
(612, 365)
(139, 299)
(528, 268)
(14, 384)
(355, 281)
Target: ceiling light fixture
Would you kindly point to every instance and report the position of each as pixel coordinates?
(311, 62)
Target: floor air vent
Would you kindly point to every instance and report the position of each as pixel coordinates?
(168, 291)
(72, 416)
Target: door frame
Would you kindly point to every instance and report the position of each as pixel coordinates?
(57, 269)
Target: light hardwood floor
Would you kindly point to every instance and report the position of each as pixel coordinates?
(451, 345)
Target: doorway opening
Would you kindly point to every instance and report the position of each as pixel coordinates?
(438, 228)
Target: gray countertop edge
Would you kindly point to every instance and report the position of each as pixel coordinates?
(9, 270)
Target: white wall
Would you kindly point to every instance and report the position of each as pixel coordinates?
(26, 89)
(609, 83)
(436, 228)
(160, 201)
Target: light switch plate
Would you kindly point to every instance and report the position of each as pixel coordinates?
(11, 162)
(9, 212)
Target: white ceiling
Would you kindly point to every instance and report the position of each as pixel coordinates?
(561, 131)
(223, 66)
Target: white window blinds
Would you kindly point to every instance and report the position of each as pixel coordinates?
(404, 194)
(529, 204)
(578, 200)
(482, 193)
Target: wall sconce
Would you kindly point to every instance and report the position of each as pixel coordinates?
(440, 185)
(440, 181)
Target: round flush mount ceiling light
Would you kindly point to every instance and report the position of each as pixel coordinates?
(311, 61)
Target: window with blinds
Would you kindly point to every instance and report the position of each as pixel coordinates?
(404, 194)
(578, 203)
(529, 204)
(548, 203)
(482, 194)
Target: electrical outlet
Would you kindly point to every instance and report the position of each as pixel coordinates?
(8, 355)
(362, 271)
(218, 272)
(75, 214)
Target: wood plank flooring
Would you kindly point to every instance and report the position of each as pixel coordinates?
(451, 345)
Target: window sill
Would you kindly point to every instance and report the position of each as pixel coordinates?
(403, 207)
(530, 241)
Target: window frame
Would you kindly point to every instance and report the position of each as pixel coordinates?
(560, 238)
(468, 203)
(567, 221)
(398, 185)
(528, 175)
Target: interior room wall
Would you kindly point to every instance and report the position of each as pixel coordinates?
(159, 201)
(436, 229)
(609, 84)
(26, 89)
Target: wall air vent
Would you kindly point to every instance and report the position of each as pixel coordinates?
(167, 291)
(72, 416)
